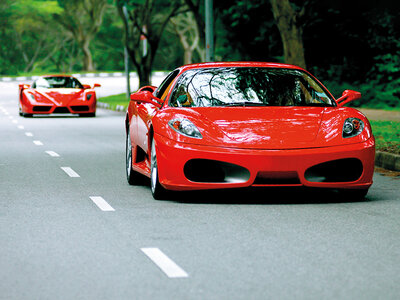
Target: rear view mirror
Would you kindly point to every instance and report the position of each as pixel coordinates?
(348, 96)
(86, 86)
(96, 85)
(146, 97)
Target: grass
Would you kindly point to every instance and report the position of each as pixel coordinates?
(387, 136)
(115, 100)
(387, 133)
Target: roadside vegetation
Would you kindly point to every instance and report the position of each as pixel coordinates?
(115, 100)
(387, 135)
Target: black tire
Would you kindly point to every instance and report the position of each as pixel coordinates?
(157, 190)
(132, 176)
(353, 194)
(27, 115)
(89, 115)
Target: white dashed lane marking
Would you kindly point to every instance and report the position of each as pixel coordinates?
(170, 268)
(101, 203)
(15, 121)
(70, 172)
(28, 133)
(38, 143)
(21, 127)
(52, 153)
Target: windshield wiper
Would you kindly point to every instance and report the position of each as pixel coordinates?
(244, 103)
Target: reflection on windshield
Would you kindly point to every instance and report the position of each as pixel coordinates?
(57, 82)
(248, 87)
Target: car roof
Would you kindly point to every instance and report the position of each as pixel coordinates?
(238, 64)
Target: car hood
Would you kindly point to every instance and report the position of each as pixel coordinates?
(59, 96)
(267, 128)
(254, 127)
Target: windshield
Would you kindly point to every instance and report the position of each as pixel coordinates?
(57, 82)
(244, 86)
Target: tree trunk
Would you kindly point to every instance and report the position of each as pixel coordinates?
(187, 57)
(291, 32)
(87, 56)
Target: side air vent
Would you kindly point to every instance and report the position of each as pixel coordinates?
(341, 170)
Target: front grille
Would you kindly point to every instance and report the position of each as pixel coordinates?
(41, 108)
(276, 178)
(80, 108)
(61, 110)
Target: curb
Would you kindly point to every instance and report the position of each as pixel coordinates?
(387, 160)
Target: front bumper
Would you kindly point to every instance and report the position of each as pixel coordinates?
(73, 107)
(263, 167)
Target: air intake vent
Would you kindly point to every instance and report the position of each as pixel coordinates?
(80, 108)
(41, 108)
(61, 110)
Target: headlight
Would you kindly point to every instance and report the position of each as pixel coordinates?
(352, 127)
(88, 96)
(185, 127)
(31, 97)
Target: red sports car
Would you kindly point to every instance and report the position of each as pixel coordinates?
(57, 94)
(240, 124)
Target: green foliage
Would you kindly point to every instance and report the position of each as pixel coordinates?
(115, 100)
(387, 135)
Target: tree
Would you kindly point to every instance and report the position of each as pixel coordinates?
(82, 19)
(186, 28)
(195, 6)
(145, 19)
(291, 31)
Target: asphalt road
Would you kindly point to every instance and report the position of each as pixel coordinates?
(96, 237)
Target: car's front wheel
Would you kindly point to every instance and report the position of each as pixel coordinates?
(88, 115)
(353, 194)
(132, 176)
(157, 190)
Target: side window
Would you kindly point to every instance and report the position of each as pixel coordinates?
(164, 87)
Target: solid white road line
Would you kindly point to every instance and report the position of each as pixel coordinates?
(28, 133)
(38, 143)
(170, 268)
(52, 153)
(101, 203)
(70, 172)
(21, 127)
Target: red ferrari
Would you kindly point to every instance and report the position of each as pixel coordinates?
(57, 94)
(241, 124)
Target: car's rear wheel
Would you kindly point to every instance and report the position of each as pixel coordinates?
(157, 190)
(353, 194)
(132, 176)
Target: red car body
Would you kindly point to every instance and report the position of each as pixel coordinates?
(57, 94)
(230, 145)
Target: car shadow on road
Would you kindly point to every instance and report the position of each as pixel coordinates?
(265, 195)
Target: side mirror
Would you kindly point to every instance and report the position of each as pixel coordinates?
(24, 86)
(348, 96)
(96, 85)
(149, 88)
(86, 86)
(146, 97)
